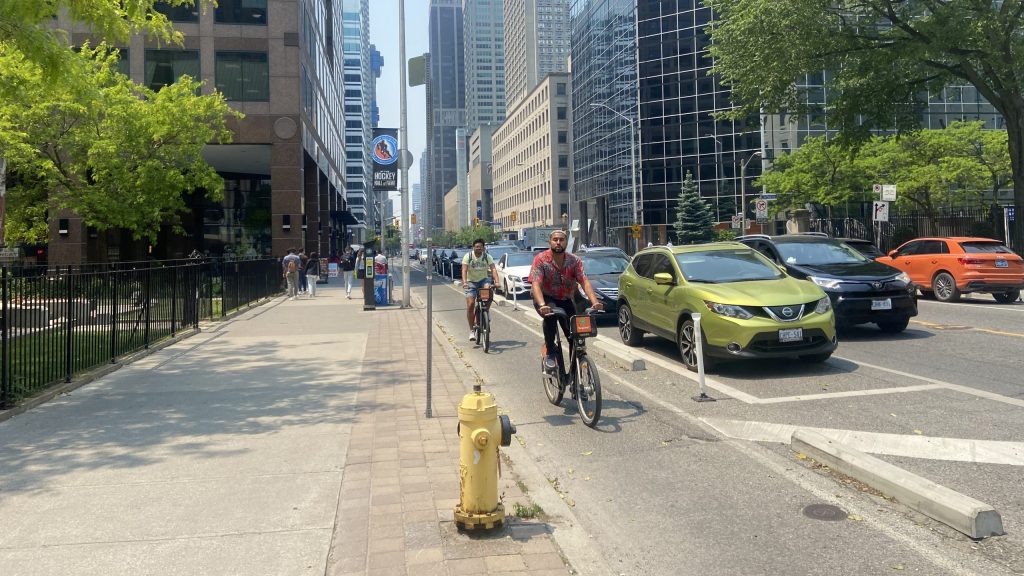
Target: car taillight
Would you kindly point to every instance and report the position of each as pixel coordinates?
(970, 261)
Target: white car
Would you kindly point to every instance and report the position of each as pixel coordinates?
(514, 273)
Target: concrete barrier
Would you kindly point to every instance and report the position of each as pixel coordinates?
(81, 308)
(963, 513)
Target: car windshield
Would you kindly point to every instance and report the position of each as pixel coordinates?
(718, 266)
(810, 253)
(519, 259)
(497, 251)
(984, 248)
(594, 264)
(866, 248)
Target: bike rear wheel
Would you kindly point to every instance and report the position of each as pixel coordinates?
(552, 382)
(588, 392)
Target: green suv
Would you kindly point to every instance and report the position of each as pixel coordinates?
(749, 307)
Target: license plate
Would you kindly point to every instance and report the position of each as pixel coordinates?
(1000, 263)
(882, 304)
(791, 335)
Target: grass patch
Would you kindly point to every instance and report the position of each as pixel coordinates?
(522, 486)
(531, 511)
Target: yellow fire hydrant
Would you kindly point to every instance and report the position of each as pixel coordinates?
(481, 431)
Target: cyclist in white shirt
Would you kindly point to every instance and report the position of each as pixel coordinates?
(477, 271)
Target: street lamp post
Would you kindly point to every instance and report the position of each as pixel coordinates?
(632, 160)
(743, 190)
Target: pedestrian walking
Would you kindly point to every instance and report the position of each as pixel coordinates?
(348, 267)
(313, 273)
(290, 271)
(304, 260)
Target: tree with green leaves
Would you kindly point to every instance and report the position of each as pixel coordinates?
(116, 153)
(694, 222)
(881, 59)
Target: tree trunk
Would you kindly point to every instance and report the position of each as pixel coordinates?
(1015, 135)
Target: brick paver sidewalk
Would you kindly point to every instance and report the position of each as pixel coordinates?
(401, 475)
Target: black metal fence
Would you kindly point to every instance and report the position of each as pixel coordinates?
(987, 222)
(60, 322)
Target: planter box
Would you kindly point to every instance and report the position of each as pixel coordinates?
(29, 316)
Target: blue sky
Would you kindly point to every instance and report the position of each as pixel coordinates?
(384, 34)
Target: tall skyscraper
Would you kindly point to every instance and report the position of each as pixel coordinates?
(376, 67)
(446, 101)
(484, 48)
(359, 89)
(537, 43)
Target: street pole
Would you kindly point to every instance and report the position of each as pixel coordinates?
(632, 160)
(403, 156)
(743, 191)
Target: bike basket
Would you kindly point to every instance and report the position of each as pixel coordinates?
(583, 326)
(485, 295)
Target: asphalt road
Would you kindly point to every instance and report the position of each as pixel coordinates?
(666, 485)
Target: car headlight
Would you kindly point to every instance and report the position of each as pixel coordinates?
(824, 305)
(903, 277)
(729, 310)
(826, 283)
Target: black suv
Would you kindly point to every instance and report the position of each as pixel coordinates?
(861, 289)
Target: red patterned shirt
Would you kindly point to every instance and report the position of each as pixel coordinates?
(556, 282)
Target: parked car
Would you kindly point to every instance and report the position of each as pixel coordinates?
(603, 268)
(749, 307)
(948, 267)
(497, 250)
(601, 250)
(861, 289)
(865, 247)
(514, 273)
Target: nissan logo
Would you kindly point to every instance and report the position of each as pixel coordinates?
(787, 311)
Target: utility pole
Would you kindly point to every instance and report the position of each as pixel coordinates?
(404, 156)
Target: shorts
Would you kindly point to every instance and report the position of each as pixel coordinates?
(470, 288)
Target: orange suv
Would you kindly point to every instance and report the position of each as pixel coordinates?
(949, 267)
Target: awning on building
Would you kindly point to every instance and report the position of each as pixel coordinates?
(346, 217)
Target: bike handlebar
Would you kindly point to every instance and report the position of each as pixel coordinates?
(563, 314)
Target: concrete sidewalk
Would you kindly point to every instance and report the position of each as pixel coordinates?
(289, 440)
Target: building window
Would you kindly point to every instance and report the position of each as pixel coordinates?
(563, 136)
(560, 89)
(563, 161)
(561, 113)
(242, 12)
(563, 185)
(243, 76)
(177, 13)
(164, 67)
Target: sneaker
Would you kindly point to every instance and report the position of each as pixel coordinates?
(550, 362)
(472, 335)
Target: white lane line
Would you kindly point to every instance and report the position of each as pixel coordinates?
(957, 387)
(913, 446)
(982, 307)
(848, 394)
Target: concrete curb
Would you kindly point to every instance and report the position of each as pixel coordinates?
(963, 513)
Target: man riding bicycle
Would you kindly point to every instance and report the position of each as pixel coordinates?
(477, 271)
(555, 275)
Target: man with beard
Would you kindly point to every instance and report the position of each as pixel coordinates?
(477, 272)
(554, 276)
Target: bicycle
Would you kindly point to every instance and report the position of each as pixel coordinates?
(482, 316)
(583, 382)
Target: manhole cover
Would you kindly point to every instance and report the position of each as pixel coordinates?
(824, 512)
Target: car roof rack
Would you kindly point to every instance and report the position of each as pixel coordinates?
(822, 234)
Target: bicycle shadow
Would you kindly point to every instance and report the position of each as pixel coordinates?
(499, 346)
(622, 412)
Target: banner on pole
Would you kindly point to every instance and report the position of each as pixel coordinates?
(384, 150)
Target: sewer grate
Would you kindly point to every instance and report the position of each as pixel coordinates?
(824, 512)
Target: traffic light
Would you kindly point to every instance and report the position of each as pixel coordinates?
(413, 219)
(513, 215)
(476, 221)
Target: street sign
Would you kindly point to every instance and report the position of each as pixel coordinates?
(768, 196)
(889, 192)
(737, 221)
(880, 211)
(761, 210)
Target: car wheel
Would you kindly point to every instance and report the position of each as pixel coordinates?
(894, 326)
(628, 332)
(945, 288)
(1007, 297)
(816, 358)
(688, 348)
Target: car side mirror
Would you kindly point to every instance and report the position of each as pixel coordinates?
(892, 253)
(664, 278)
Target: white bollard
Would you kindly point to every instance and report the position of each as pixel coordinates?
(698, 339)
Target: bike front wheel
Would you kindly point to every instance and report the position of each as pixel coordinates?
(485, 329)
(588, 392)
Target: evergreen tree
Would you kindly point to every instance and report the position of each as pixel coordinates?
(694, 224)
